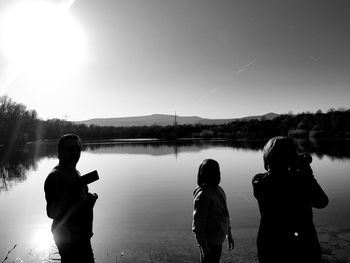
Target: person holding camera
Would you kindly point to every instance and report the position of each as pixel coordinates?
(286, 194)
(70, 204)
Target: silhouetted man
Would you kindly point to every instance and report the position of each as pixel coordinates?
(69, 204)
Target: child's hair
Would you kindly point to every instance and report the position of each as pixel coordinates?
(208, 173)
(279, 152)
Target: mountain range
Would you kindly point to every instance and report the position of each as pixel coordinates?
(164, 120)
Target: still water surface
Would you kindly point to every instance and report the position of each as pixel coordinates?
(144, 210)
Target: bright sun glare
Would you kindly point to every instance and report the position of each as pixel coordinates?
(42, 38)
(42, 239)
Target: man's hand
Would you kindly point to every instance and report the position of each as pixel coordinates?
(92, 198)
(231, 243)
(204, 247)
(95, 196)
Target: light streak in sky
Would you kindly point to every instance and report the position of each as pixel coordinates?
(212, 91)
(314, 59)
(248, 65)
(206, 94)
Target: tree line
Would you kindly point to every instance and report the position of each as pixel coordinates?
(19, 125)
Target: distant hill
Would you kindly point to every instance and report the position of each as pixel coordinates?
(164, 120)
(268, 116)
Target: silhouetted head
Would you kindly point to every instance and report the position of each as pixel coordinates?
(208, 173)
(69, 149)
(279, 153)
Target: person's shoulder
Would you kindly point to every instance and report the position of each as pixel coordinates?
(201, 192)
(53, 175)
(203, 195)
(221, 190)
(55, 171)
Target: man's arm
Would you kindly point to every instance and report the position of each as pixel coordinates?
(319, 199)
(54, 190)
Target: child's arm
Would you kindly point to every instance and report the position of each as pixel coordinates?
(231, 243)
(200, 210)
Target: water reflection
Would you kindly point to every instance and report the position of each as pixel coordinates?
(166, 148)
(155, 148)
(334, 149)
(145, 204)
(15, 163)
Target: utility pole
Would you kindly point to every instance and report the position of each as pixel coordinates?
(175, 127)
(66, 117)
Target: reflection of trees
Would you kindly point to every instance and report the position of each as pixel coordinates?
(16, 162)
(334, 149)
(249, 145)
(12, 174)
(154, 147)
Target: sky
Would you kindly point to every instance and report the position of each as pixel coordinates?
(213, 59)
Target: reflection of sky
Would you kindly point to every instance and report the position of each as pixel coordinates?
(23, 218)
(145, 200)
(151, 193)
(334, 176)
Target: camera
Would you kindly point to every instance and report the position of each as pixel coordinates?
(88, 178)
(304, 159)
(302, 163)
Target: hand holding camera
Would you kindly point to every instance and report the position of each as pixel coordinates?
(88, 178)
(302, 163)
(84, 180)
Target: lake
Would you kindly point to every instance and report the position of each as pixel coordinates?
(144, 210)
